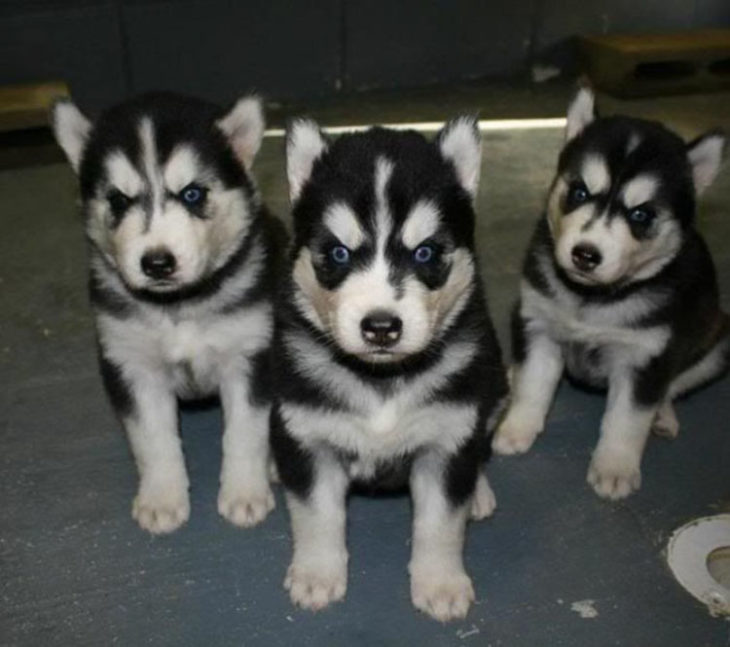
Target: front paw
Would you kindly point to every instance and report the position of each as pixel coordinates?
(161, 507)
(614, 474)
(444, 596)
(515, 435)
(314, 586)
(243, 504)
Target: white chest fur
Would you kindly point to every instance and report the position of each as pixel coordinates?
(375, 426)
(391, 431)
(613, 325)
(193, 350)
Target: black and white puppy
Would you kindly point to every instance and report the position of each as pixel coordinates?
(388, 372)
(182, 258)
(618, 289)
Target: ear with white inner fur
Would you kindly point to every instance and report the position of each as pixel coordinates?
(304, 145)
(705, 156)
(244, 127)
(71, 130)
(461, 144)
(581, 112)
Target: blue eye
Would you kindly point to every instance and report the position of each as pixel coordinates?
(340, 254)
(423, 254)
(192, 194)
(578, 194)
(641, 216)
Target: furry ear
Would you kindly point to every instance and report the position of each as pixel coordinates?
(581, 112)
(705, 156)
(71, 130)
(461, 144)
(304, 145)
(244, 128)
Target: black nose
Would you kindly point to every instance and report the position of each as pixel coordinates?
(381, 328)
(158, 263)
(586, 257)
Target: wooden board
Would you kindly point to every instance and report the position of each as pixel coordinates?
(27, 105)
(630, 65)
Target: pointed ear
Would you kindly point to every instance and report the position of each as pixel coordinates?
(244, 128)
(705, 156)
(461, 144)
(581, 112)
(304, 145)
(71, 130)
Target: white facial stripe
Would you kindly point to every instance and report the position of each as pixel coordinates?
(421, 223)
(639, 190)
(182, 168)
(122, 174)
(344, 225)
(149, 161)
(383, 221)
(595, 174)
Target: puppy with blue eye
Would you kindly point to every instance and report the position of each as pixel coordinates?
(387, 369)
(618, 289)
(182, 257)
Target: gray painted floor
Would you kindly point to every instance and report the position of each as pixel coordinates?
(76, 570)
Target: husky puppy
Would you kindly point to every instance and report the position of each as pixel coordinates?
(618, 289)
(182, 256)
(388, 372)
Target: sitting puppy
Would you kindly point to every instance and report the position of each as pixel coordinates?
(618, 288)
(388, 371)
(182, 256)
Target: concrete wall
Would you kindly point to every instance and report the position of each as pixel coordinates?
(107, 49)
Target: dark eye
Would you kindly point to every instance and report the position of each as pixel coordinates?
(577, 194)
(423, 254)
(641, 215)
(118, 201)
(192, 194)
(340, 254)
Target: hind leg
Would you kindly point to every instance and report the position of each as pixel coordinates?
(665, 422)
(712, 365)
(709, 367)
(483, 502)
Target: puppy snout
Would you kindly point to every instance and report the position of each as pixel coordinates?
(381, 328)
(158, 263)
(586, 257)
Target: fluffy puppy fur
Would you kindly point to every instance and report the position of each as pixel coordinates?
(388, 372)
(182, 258)
(618, 289)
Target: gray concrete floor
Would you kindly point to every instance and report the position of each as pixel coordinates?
(75, 569)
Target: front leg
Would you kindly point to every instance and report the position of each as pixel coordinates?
(615, 469)
(245, 497)
(535, 376)
(439, 583)
(148, 409)
(316, 490)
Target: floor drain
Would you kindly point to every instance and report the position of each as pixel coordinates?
(699, 556)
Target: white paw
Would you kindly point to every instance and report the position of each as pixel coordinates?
(514, 436)
(665, 422)
(443, 596)
(244, 505)
(484, 502)
(313, 587)
(162, 507)
(614, 474)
